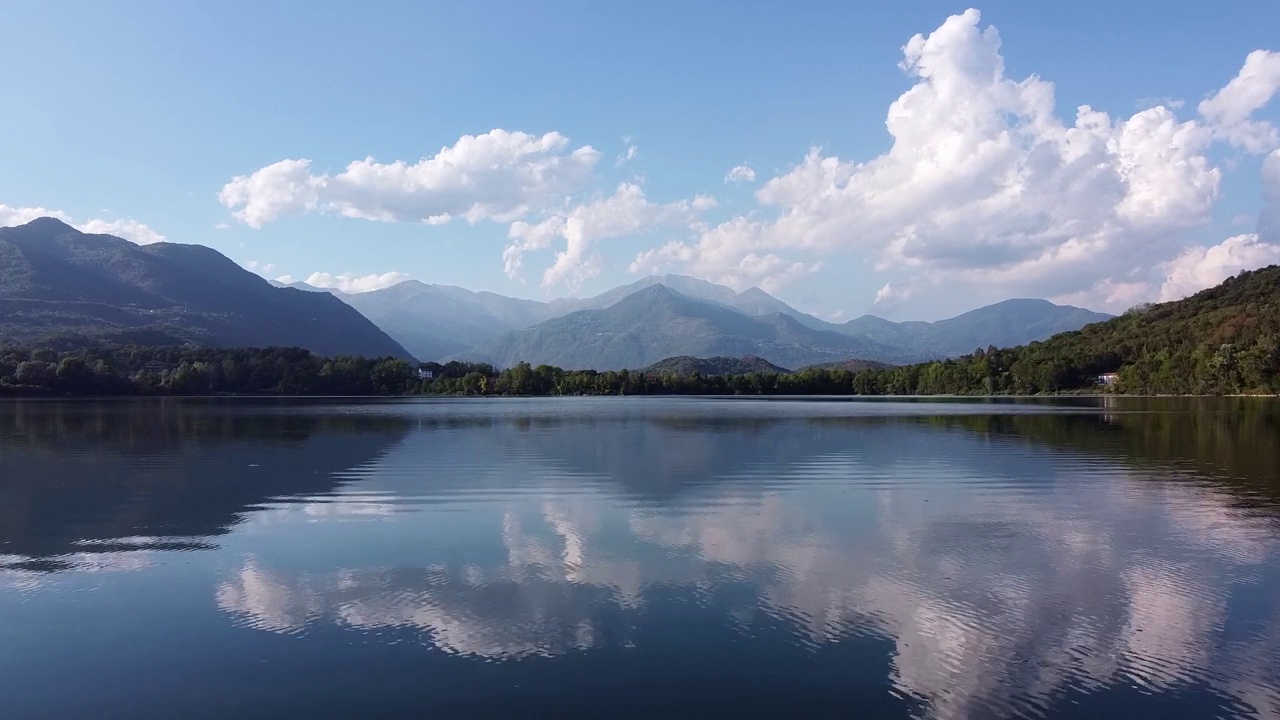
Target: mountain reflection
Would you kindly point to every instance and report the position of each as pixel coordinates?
(984, 559)
(89, 485)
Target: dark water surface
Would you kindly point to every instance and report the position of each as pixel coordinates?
(640, 558)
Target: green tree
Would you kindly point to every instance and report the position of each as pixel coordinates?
(35, 373)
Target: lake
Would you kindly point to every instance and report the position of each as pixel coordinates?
(640, 557)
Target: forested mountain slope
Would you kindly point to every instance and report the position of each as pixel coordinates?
(685, 365)
(64, 288)
(1224, 340)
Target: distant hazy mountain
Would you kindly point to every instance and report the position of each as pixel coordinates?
(438, 321)
(685, 365)
(435, 321)
(1004, 324)
(683, 284)
(60, 286)
(850, 365)
(753, 301)
(307, 287)
(517, 312)
(758, 302)
(657, 322)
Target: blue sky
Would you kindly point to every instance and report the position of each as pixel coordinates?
(138, 118)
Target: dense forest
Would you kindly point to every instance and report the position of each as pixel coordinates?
(137, 370)
(1225, 340)
(190, 370)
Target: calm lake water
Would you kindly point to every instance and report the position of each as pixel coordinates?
(640, 557)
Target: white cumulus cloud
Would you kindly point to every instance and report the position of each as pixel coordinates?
(625, 213)
(1197, 268)
(349, 283)
(1269, 220)
(283, 188)
(768, 271)
(499, 175)
(1230, 111)
(13, 216)
(889, 293)
(130, 230)
(256, 267)
(1112, 294)
(986, 189)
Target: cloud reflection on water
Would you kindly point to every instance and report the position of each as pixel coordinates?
(1048, 572)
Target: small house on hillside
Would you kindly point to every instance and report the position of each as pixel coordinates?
(156, 366)
(425, 374)
(1107, 379)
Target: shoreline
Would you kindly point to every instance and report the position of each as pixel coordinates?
(456, 396)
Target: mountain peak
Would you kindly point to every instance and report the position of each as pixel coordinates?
(693, 286)
(404, 288)
(1023, 310)
(672, 278)
(412, 283)
(48, 225)
(657, 291)
(1023, 302)
(304, 286)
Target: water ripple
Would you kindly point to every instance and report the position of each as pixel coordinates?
(956, 564)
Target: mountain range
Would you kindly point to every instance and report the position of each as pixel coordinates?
(442, 321)
(58, 285)
(657, 322)
(438, 321)
(1004, 324)
(633, 325)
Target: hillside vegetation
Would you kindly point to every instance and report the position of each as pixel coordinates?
(686, 365)
(850, 365)
(191, 370)
(1224, 340)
